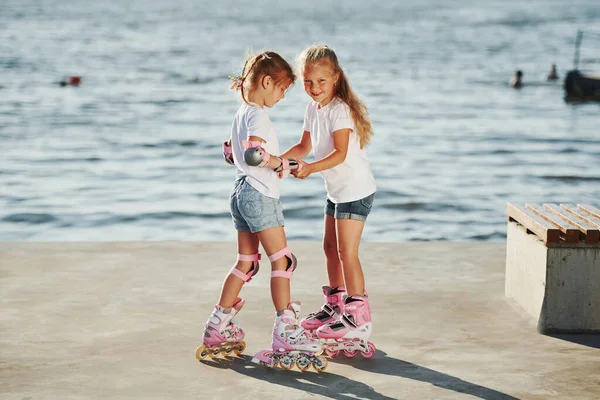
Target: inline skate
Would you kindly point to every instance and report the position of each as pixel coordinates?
(221, 333)
(292, 345)
(331, 310)
(351, 333)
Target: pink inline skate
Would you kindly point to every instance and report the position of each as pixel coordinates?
(331, 310)
(351, 332)
(291, 345)
(222, 334)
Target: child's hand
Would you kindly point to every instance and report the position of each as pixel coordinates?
(304, 171)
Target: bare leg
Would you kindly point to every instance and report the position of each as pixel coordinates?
(273, 240)
(349, 232)
(247, 244)
(330, 247)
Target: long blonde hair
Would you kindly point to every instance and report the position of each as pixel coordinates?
(358, 110)
(266, 63)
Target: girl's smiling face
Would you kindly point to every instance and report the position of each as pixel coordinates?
(319, 82)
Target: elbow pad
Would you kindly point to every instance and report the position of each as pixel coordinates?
(227, 154)
(288, 165)
(255, 155)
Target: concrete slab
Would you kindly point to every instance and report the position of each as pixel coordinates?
(122, 320)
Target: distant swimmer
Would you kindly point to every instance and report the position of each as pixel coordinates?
(71, 81)
(517, 80)
(552, 75)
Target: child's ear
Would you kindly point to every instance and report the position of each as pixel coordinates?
(266, 81)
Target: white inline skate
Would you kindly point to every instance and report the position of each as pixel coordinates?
(291, 344)
(221, 333)
(351, 333)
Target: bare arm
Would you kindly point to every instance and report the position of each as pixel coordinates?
(300, 149)
(341, 139)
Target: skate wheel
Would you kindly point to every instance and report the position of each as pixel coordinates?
(303, 363)
(332, 353)
(350, 353)
(270, 364)
(201, 352)
(371, 352)
(239, 349)
(321, 364)
(227, 350)
(214, 353)
(287, 363)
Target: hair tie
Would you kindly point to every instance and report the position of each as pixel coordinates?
(265, 55)
(238, 82)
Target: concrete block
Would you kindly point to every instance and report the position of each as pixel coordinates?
(559, 286)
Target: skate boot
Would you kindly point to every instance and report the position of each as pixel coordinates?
(331, 310)
(291, 344)
(352, 332)
(222, 334)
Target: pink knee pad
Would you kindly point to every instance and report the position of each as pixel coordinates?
(292, 263)
(253, 271)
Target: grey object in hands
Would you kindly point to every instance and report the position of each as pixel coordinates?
(253, 156)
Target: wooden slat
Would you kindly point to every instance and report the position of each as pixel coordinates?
(533, 222)
(593, 220)
(571, 231)
(590, 209)
(592, 234)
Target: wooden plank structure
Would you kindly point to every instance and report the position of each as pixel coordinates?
(553, 264)
(563, 225)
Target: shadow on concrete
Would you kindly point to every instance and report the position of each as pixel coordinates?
(340, 387)
(324, 383)
(382, 364)
(584, 339)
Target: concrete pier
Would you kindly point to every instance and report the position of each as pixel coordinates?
(122, 321)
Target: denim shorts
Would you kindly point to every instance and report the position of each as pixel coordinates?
(358, 209)
(251, 210)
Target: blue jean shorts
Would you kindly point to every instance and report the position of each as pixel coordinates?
(358, 209)
(251, 210)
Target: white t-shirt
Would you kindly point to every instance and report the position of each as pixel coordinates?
(251, 120)
(351, 180)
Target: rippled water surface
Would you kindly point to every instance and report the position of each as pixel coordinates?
(134, 152)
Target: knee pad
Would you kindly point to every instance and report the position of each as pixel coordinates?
(253, 271)
(292, 263)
